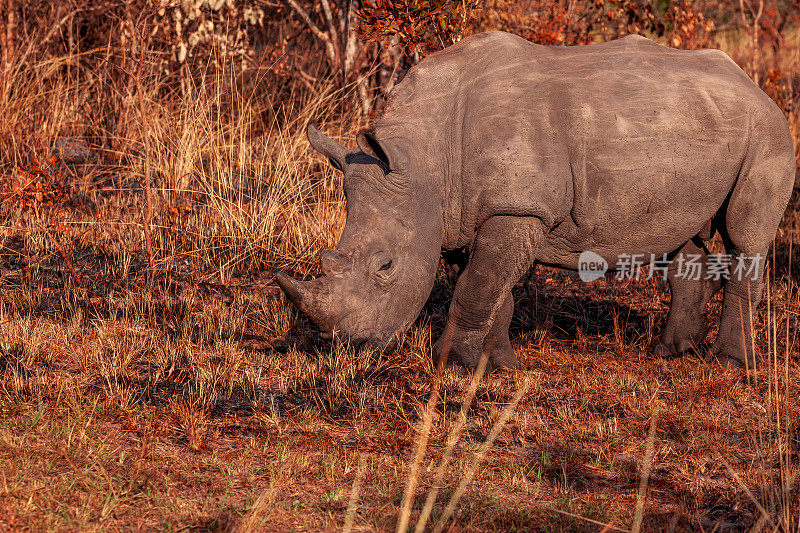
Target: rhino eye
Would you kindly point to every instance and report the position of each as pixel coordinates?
(383, 267)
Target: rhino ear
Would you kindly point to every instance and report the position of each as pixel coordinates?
(334, 151)
(388, 154)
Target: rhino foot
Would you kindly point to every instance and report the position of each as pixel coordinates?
(686, 329)
(501, 354)
(669, 347)
(466, 350)
(659, 350)
(734, 344)
(463, 348)
(498, 343)
(727, 354)
(504, 359)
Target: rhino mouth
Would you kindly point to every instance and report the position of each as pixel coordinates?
(341, 325)
(373, 337)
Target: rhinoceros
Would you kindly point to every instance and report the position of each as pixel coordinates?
(523, 154)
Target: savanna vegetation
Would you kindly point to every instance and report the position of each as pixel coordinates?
(154, 175)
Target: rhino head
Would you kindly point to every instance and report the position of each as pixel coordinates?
(378, 277)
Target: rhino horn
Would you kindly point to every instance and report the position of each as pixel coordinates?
(303, 294)
(296, 291)
(327, 147)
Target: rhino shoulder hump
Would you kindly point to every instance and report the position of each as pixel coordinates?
(489, 42)
(636, 38)
(495, 36)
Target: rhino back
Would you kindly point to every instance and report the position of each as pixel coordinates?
(590, 139)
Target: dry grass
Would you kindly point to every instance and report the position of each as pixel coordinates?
(201, 400)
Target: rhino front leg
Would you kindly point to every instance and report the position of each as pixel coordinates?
(497, 343)
(482, 305)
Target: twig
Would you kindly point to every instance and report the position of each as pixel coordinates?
(349, 37)
(326, 8)
(425, 431)
(747, 491)
(321, 35)
(56, 27)
(66, 258)
(478, 459)
(7, 41)
(760, 523)
(755, 27)
(419, 454)
(606, 527)
(252, 522)
(452, 439)
(638, 514)
(351, 505)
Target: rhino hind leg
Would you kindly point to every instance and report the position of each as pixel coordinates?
(734, 343)
(751, 218)
(685, 329)
(481, 310)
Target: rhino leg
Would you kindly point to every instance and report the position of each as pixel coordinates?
(482, 304)
(751, 217)
(734, 343)
(497, 343)
(686, 329)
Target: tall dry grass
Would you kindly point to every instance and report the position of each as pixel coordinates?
(246, 200)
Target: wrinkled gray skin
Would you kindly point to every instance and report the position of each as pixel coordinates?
(527, 154)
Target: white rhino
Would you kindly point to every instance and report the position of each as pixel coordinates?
(524, 154)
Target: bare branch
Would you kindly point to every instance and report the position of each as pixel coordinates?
(741, 12)
(344, 12)
(326, 7)
(56, 27)
(351, 47)
(760, 10)
(3, 48)
(321, 35)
